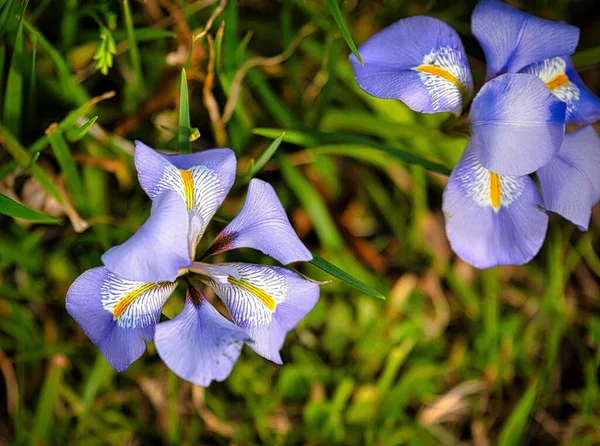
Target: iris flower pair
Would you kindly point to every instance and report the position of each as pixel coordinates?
(119, 305)
(495, 214)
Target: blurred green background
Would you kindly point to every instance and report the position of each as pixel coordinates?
(508, 356)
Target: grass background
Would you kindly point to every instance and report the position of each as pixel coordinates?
(507, 356)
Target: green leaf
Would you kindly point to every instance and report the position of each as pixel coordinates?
(13, 105)
(513, 429)
(67, 164)
(134, 89)
(13, 208)
(336, 12)
(77, 133)
(339, 274)
(263, 159)
(311, 139)
(183, 136)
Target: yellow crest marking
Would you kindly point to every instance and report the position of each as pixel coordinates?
(188, 187)
(445, 74)
(264, 297)
(558, 81)
(128, 299)
(495, 190)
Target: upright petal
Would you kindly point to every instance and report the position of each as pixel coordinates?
(518, 125)
(512, 39)
(199, 344)
(262, 224)
(419, 60)
(159, 249)
(560, 77)
(492, 219)
(266, 302)
(571, 181)
(201, 179)
(117, 314)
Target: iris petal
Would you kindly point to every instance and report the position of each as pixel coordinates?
(159, 249)
(117, 314)
(266, 302)
(262, 224)
(571, 181)
(512, 39)
(199, 344)
(492, 219)
(201, 179)
(419, 60)
(560, 77)
(518, 125)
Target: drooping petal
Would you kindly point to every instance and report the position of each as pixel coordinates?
(201, 179)
(512, 39)
(492, 219)
(199, 344)
(571, 181)
(160, 247)
(518, 125)
(117, 314)
(266, 302)
(560, 77)
(419, 60)
(262, 224)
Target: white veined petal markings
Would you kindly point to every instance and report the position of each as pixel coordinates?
(446, 76)
(554, 74)
(488, 188)
(134, 304)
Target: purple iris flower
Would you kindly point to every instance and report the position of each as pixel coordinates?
(493, 208)
(119, 305)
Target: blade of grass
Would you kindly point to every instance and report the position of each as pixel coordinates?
(230, 17)
(77, 133)
(308, 139)
(47, 400)
(339, 274)
(23, 158)
(263, 159)
(13, 208)
(183, 135)
(71, 90)
(2, 59)
(67, 164)
(514, 428)
(31, 87)
(135, 88)
(13, 104)
(336, 13)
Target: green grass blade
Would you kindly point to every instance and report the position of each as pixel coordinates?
(230, 17)
(336, 12)
(134, 89)
(13, 208)
(67, 164)
(308, 139)
(514, 428)
(77, 133)
(47, 401)
(71, 90)
(24, 159)
(263, 158)
(183, 135)
(339, 274)
(13, 104)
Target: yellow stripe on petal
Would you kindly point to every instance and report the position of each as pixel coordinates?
(264, 297)
(557, 81)
(495, 190)
(444, 74)
(188, 188)
(130, 297)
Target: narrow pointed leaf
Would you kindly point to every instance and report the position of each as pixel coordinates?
(336, 12)
(13, 208)
(339, 274)
(263, 158)
(76, 134)
(183, 138)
